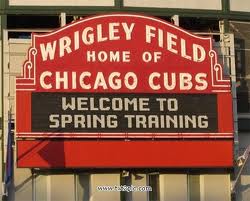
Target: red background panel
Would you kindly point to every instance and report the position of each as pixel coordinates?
(225, 112)
(115, 154)
(23, 111)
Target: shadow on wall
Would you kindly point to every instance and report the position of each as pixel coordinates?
(53, 153)
(242, 76)
(83, 187)
(242, 194)
(242, 96)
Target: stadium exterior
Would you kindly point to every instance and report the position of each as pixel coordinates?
(171, 167)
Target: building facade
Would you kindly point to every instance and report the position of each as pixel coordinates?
(226, 21)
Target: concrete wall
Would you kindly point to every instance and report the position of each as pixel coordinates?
(173, 187)
(53, 187)
(1, 193)
(139, 180)
(13, 56)
(243, 186)
(242, 5)
(61, 3)
(83, 187)
(211, 187)
(22, 189)
(101, 180)
(215, 188)
(190, 4)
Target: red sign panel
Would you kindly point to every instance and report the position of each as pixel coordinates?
(122, 76)
(124, 154)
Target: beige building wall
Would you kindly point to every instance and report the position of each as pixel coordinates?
(1, 193)
(62, 3)
(61, 187)
(22, 189)
(212, 187)
(104, 180)
(243, 185)
(14, 56)
(242, 5)
(54, 187)
(18, 49)
(41, 187)
(83, 187)
(139, 180)
(191, 4)
(173, 187)
(215, 187)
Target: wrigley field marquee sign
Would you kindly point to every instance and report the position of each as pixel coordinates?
(122, 76)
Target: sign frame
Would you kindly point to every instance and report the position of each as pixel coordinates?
(59, 149)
